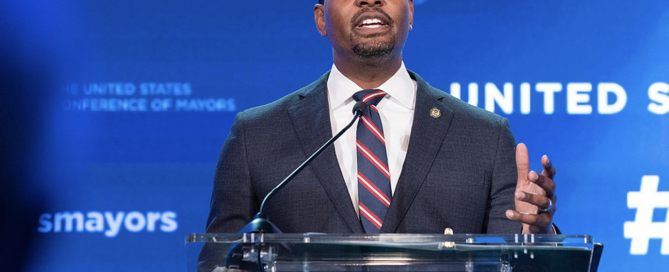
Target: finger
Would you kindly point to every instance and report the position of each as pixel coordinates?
(545, 183)
(538, 200)
(539, 220)
(522, 163)
(549, 169)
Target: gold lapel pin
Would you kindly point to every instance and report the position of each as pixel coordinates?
(435, 113)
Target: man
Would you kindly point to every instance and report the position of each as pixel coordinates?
(442, 163)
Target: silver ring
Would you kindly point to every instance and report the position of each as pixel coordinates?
(549, 206)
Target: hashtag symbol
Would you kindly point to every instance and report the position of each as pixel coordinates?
(642, 229)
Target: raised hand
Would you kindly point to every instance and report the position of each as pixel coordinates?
(535, 195)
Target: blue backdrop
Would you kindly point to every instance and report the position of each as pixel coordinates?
(114, 112)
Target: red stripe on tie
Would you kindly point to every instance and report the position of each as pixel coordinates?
(370, 216)
(373, 189)
(375, 161)
(368, 123)
(373, 95)
(374, 108)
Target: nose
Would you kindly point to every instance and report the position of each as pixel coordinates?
(369, 3)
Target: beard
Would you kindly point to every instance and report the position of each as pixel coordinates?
(372, 49)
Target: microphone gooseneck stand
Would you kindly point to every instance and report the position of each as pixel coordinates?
(261, 223)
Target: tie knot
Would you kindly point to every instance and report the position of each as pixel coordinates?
(371, 97)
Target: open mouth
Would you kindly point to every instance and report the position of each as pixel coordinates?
(372, 23)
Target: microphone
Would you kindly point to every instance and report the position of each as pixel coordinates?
(253, 257)
(261, 223)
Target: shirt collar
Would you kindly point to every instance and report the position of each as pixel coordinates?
(400, 88)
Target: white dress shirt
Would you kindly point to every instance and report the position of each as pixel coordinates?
(397, 106)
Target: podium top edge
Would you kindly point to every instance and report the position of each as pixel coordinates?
(394, 238)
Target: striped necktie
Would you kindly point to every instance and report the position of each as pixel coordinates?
(373, 176)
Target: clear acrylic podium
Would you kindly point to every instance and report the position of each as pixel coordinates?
(390, 252)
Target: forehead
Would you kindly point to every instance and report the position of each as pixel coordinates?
(321, 2)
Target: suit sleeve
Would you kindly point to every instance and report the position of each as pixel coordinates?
(233, 201)
(504, 179)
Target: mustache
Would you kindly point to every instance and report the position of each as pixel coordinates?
(362, 11)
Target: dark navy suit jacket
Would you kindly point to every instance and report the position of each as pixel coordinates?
(459, 171)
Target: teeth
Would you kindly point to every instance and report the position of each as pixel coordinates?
(371, 22)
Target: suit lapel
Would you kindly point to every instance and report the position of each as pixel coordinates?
(311, 121)
(427, 135)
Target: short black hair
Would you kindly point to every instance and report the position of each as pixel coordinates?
(321, 1)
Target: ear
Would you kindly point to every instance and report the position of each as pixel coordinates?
(410, 14)
(319, 17)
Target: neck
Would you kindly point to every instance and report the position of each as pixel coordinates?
(368, 73)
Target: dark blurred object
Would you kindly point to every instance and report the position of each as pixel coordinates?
(23, 97)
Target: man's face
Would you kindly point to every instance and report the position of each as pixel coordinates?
(367, 28)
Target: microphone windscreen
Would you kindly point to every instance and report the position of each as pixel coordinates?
(359, 108)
